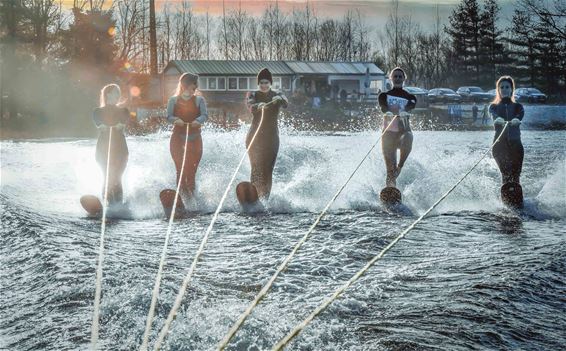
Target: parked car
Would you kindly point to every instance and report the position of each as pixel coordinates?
(492, 94)
(473, 94)
(416, 90)
(443, 95)
(421, 94)
(529, 95)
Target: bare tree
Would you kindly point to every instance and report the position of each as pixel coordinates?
(552, 16)
(236, 23)
(207, 35)
(165, 35)
(130, 28)
(276, 28)
(393, 30)
(328, 41)
(256, 39)
(90, 5)
(298, 35)
(362, 45)
(225, 32)
(188, 37)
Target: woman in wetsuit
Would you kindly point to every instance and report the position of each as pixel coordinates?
(265, 147)
(185, 108)
(109, 117)
(396, 102)
(509, 151)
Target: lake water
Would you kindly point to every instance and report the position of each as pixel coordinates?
(472, 275)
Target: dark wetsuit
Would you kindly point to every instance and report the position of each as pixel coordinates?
(111, 115)
(265, 147)
(509, 151)
(190, 110)
(399, 135)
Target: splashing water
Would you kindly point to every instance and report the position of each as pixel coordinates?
(474, 275)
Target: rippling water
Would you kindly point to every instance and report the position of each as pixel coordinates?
(473, 275)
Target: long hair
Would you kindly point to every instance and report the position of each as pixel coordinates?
(107, 89)
(184, 81)
(499, 81)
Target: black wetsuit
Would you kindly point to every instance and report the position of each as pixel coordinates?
(109, 116)
(399, 135)
(265, 147)
(509, 151)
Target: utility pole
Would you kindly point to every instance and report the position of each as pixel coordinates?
(152, 40)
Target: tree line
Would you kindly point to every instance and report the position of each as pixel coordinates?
(47, 49)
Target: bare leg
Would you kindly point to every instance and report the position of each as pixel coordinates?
(117, 168)
(262, 180)
(389, 148)
(406, 145)
(194, 155)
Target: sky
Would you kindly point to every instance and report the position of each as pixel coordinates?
(374, 12)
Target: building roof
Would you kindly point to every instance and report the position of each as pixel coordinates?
(226, 67)
(349, 68)
(217, 67)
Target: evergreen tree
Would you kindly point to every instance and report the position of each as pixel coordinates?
(523, 50)
(493, 53)
(464, 31)
(537, 55)
(548, 59)
(89, 41)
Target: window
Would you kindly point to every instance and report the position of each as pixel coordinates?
(253, 83)
(277, 83)
(238, 83)
(376, 84)
(222, 83)
(286, 83)
(232, 83)
(242, 83)
(211, 83)
(202, 84)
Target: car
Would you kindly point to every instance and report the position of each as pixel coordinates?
(473, 94)
(443, 95)
(492, 93)
(531, 95)
(416, 90)
(421, 95)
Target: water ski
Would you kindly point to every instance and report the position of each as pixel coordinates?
(512, 195)
(167, 198)
(92, 205)
(390, 196)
